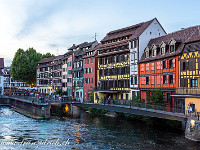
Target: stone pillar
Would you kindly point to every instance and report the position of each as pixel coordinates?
(192, 131)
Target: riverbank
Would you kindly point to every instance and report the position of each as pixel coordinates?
(27, 114)
(145, 119)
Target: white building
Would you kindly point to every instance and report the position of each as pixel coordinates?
(1, 76)
(137, 43)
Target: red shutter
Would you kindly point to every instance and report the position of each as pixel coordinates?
(152, 79)
(152, 66)
(161, 65)
(174, 78)
(167, 64)
(167, 79)
(147, 67)
(174, 63)
(158, 79)
(161, 80)
(149, 80)
(142, 67)
(158, 65)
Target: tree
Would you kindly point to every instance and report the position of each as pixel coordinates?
(24, 65)
(155, 96)
(47, 55)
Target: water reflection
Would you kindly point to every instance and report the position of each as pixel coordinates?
(86, 132)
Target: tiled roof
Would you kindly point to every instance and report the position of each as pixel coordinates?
(44, 60)
(1, 63)
(182, 37)
(133, 31)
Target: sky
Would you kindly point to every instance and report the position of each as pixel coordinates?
(54, 25)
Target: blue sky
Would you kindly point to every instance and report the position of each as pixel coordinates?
(54, 25)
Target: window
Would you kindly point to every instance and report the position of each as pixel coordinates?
(164, 64)
(136, 79)
(171, 63)
(147, 53)
(147, 80)
(162, 51)
(132, 69)
(132, 57)
(112, 71)
(113, 59)
(118, 59)
(134, 44)
(92, 60)
(92, 70)
(84, 61)
(170, 79)
(194, 83)
(88, 61)
(154, 52)
(171, 48)
(164, 79)
(119, 71)
(184, 66)
(100, 61)
(91, 80)
(135, 56)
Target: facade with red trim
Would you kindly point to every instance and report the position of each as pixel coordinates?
(159, 66)
(89, 72)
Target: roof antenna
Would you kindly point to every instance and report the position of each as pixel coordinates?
(95, 36)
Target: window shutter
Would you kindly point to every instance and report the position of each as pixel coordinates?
(167, 64)
(147, 67)
(161, 79)
(150, 80)
(161, 65)
(174, 62)
(174, 78)
(152, 66)
(167, 79)
(158, 65)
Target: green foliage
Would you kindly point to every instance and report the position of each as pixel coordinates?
(47, 55)
(155, 96)
(24, 65)
(135, 98)
(58, 92)
(64, 93)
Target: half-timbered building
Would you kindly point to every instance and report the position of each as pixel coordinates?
(114, 61)
(159, 65)
(78, 68)
(90, 72)
(189, 73)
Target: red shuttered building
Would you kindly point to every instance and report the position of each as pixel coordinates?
(90, 72)
(159, 65)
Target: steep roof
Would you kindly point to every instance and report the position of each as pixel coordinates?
(133, 31)
(44, 60)
(1, 63)
(182, 37)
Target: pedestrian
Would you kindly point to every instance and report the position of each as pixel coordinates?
(188, 107)
(104, 100)
(190, 110)
(81, 99)
(109, 99)
(97, 97)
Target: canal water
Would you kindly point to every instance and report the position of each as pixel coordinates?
(87, 132)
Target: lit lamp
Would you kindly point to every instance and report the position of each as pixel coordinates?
(192, 122)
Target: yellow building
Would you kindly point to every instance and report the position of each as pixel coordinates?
(188, 91)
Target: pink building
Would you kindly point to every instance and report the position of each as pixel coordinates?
(67, 72)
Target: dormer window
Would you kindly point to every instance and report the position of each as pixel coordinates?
(172, 43)
(147, 53)
(154, 52)
(162, 51)
(162, 48)
(171, 48)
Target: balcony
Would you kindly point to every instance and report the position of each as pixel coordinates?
(186, 90)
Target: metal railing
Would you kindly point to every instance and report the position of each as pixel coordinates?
(186, 90)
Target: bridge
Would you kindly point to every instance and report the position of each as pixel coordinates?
(122, 106)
